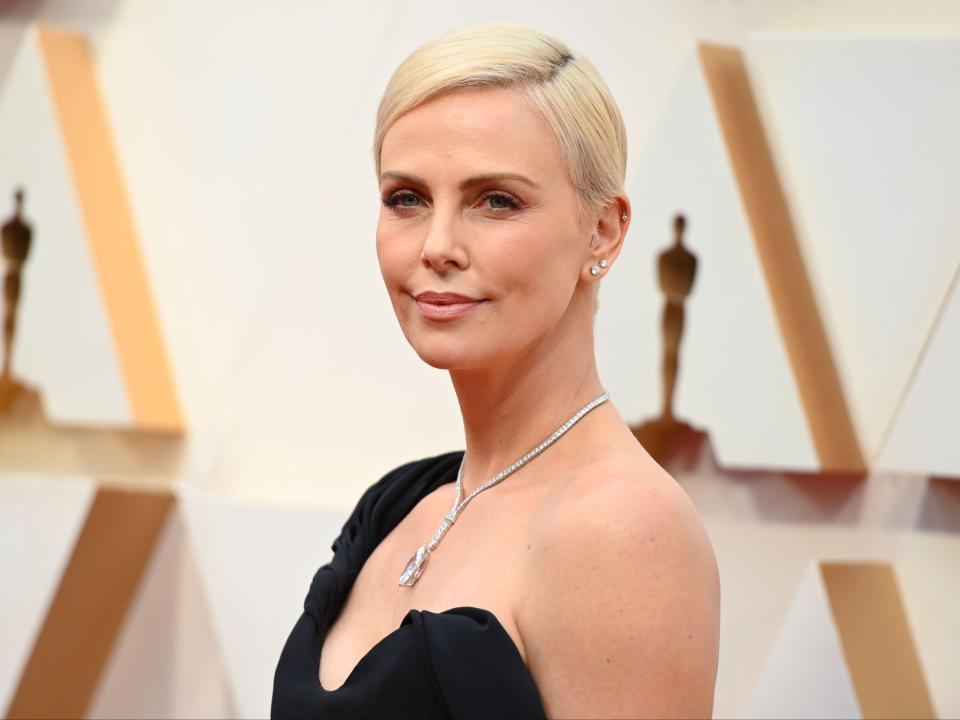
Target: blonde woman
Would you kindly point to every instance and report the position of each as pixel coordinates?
(553, 568)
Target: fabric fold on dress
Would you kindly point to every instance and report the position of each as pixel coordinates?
(457, 663)
(380, 509)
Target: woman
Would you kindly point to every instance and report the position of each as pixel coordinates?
(571, 576)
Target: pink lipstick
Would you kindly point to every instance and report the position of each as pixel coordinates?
(445, 305)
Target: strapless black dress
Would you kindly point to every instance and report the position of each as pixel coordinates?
(457, 663)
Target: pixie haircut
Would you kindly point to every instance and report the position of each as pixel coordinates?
(563, 85)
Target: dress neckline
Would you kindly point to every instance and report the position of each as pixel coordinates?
(378, 646)
(452, 662)
(363, 532)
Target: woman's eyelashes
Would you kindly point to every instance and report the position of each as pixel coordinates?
(509, 203)
(401, 201)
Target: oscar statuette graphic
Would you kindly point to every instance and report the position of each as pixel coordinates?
(16, 237)
(667, 436)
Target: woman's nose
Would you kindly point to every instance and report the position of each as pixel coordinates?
(443, 246)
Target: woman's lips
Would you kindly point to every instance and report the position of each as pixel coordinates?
(447, 311)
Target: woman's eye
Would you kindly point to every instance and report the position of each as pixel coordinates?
(501, 201)
(402, 199)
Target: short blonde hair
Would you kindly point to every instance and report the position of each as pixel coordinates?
(564, 86)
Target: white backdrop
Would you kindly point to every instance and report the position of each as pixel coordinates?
(243, 131)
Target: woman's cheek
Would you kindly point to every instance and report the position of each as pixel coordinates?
(389, 266)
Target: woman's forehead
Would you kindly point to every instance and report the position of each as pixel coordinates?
(495, 129)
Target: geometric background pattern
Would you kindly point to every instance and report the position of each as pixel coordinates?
(187, 594)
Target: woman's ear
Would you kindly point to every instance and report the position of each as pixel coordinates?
(607, 234)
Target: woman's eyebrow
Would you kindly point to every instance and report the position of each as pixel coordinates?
(487, 177)
(469, 182)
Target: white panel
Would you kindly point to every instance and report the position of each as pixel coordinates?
(865, 136)
(166, 662)
(40, 519)
(734, 376)
(257, 562)
(63, 346)
(929, 587)
(806, 675)
(924, 437)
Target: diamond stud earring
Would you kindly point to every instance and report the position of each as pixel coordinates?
(595, 270)
(623, 216)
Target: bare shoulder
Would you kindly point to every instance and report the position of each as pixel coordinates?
(620, 615)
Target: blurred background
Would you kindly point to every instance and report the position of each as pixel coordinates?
(202, 370)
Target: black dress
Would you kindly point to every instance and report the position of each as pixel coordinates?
(456, 663)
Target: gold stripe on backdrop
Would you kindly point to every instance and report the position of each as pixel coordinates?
(87, 613)
(876, 640)
(801, 326)
(110, 231)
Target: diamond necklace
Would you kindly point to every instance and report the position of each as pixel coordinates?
(416, 563)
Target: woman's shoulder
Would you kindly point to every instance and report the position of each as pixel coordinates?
(625, 487)
(629, 501)
(621, 560)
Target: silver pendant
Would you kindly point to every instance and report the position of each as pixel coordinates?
(413, 570)
(415, 565)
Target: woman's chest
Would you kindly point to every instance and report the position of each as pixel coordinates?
(480, 562)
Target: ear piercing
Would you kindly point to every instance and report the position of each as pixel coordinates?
(603, 264)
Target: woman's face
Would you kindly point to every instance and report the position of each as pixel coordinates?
(476, 202)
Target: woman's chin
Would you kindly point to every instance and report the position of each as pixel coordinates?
(441, 360)
(449, 358)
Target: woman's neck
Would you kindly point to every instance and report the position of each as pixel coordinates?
(509, 409)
